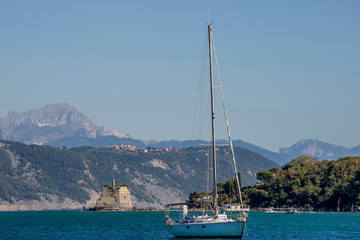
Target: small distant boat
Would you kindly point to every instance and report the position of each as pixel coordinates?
(216, 225)
(269, 211)
(274, 210)
(291, 211)
(236, 208)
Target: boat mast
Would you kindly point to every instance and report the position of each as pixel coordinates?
(215, 195)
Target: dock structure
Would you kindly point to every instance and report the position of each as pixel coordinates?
(115, 198)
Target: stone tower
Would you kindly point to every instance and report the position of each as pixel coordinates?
(115, 198)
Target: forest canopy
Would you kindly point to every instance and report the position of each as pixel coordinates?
(303, 182)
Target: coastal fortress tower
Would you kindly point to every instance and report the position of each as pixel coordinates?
(115, 198)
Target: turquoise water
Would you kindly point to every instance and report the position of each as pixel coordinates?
(74, 225)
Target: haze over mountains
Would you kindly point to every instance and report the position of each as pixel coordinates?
(63, 125)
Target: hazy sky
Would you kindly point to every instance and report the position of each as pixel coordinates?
(290, 69)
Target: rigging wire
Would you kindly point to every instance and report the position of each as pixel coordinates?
(201, 181)
(199, 96)
(199, 112)
(228, 127)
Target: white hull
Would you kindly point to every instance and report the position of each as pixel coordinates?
(224, 229)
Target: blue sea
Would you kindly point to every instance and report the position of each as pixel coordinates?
(72, 225)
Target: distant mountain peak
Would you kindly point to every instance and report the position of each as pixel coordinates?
(314, 142)
(318, 149)
(49, 123)
(105, 131)
(50, 115)
(310, 141)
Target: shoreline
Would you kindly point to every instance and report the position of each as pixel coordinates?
(172, 210)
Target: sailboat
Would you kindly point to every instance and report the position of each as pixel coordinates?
(217, 224)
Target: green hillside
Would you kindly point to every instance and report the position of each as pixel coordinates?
(28, 172)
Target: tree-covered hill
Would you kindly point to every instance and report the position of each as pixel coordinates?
(306, 182)
(52, 175)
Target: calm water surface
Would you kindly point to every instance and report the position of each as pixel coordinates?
(148, 225)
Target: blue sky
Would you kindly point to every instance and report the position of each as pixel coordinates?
(290, 69)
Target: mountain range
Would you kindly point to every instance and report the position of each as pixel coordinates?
(63, 125)
(37, 176)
